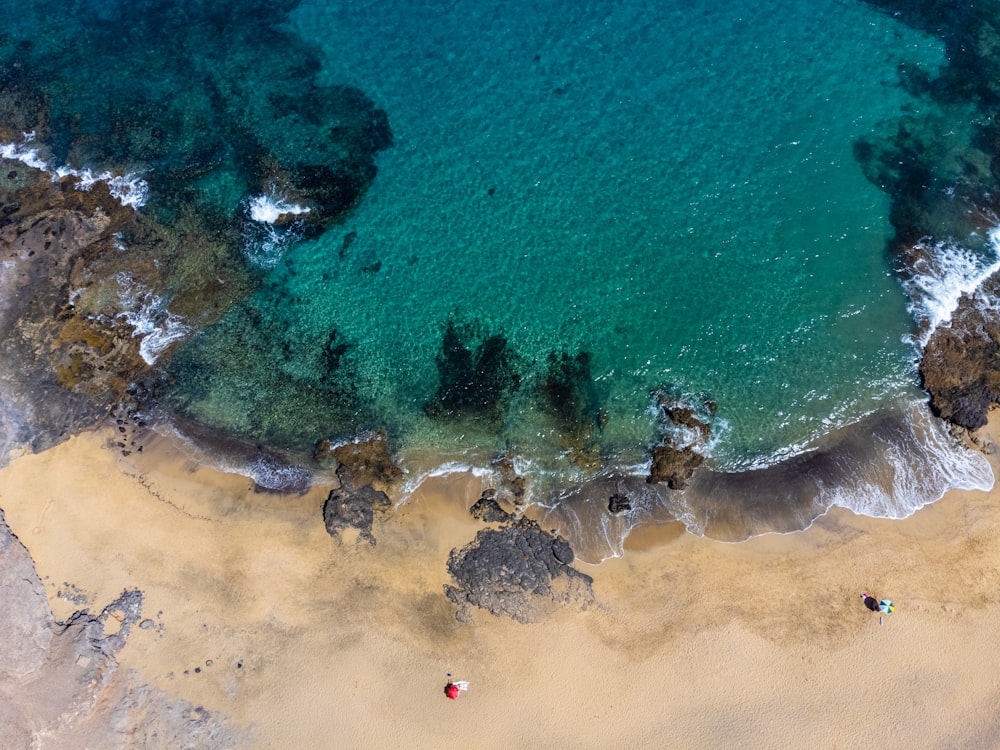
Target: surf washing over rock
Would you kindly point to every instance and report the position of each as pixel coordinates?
(597, 251)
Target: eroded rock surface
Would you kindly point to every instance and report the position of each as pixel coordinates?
(518, 571)
(960, 368)
(350, 507)
(488, 509)
(685, 436)
(60, 685)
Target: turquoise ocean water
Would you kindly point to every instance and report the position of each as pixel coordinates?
(669, 189)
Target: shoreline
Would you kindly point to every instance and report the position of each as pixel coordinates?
(303, 639)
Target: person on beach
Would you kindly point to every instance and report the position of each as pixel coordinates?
(452, 688)
(871, 602)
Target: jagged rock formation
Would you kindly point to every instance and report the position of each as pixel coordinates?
(960, 368)
(487, 509)
(349, 507)
(518, 571)
(60, 685)
(684, 440)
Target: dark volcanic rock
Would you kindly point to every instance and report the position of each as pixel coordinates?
(960, 368)
(353, 508)
(517, 570)
(619, 503)
(486, 508)
(364, 460)
(686, 433)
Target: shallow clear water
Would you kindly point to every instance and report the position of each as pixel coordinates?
(671, 189)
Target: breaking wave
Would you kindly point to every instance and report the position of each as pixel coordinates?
(128, 189)
(149, 317)
(887, 465)
(271, 227)
(945, 272)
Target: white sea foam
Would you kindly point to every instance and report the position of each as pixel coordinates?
(919, 473)
(149, 317)
(270, 208)
(947, 272)
(129, 189)
(264, 240)
(24, 154)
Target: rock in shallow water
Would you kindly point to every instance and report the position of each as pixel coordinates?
(519, 571)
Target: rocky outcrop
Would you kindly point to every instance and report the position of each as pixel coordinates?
(487, 509)
(363, 460)
(685, 435)
(60, 685)
(354, 508)
(63, 367)
(518, 571)
(960, 368)
(619, 503)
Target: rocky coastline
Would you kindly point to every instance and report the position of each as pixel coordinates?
(73, 360)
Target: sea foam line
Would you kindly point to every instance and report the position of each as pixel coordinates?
(127, 189)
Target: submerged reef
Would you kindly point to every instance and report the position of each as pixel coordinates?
(566, 394)
(142, 243)
(234, 109)
(939, 163)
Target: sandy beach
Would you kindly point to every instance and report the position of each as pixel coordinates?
(298, 640)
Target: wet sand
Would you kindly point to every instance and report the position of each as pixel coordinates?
(258, 615)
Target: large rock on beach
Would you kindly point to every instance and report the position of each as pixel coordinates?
(364, 460)
(518, 571)
(487, 508)
(354, 508)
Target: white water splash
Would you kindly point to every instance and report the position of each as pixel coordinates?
(270, 208)
(149, 317)
(946, 273)
(127, 189)
(265, 240)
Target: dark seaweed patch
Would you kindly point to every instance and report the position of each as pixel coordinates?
(477, 375)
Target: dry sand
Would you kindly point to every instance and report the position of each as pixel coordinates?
(259, 615)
